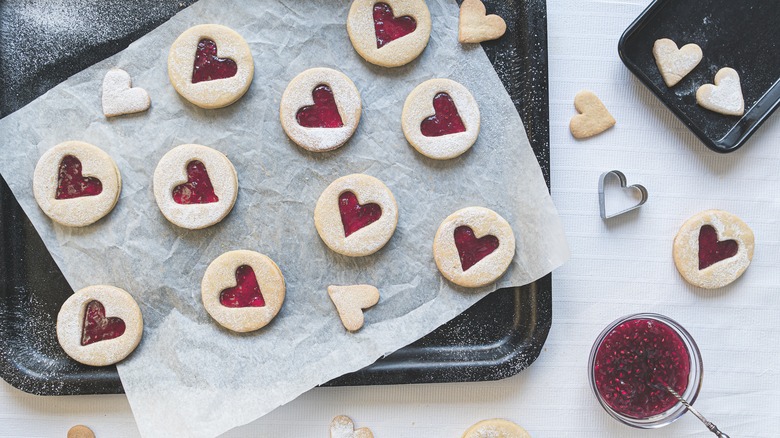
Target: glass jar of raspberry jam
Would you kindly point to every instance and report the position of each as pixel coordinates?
(632, 362)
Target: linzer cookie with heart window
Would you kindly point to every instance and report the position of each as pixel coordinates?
(440, 119)
(713, 248)
(473, 247)
(76, 183)
(210, 65)
(99, 325)
(195, 186)
(243, 290)
(356, 215)
(320, 109)
(389, 33)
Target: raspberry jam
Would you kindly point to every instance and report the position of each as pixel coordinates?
(446, 119)
(388, 27)
(246, 293)
(324, 113)
(470, 249)
(97, 327)
(70, 182)
(197, 189)
(712, 250)
(355, 216)
(208, 66)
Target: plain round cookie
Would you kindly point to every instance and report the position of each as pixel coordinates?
(171, 171)
(362, 34)
(368, 239)
(221, 275)
(419, 106)
(687, 244)
(483, 222)
(84, 210)
(116, 303)
(496, 428)
(298, 94)
(217, 93)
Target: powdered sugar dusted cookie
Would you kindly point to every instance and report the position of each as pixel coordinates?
(356, 215)
(195, 186)
(440, 119)
(210, 65)
(713, 248)
(473, 247)
(99, 325)
(119, 95)
(389, 33)
(476, 26)
(496, 428)
(243, 290)
(673, 63)
(350, 301)
(320, 109)
(725, 97)
(594, 118)
(343, 427)
(76, 183)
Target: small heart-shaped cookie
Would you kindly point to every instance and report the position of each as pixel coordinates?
(593, 118)
(343, 427)
(725, 97)
(673, 63)
(476, 26)
(350, 302)
(119, 97)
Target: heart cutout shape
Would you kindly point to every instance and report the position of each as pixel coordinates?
(472, 249)
(343, 427)
(445, 119)
(712, 250)
(725, 96)
(97, 327)
(626, 197)
(594, 118)
(673, 63)
(476, 26)
(208, 66)
(355, 216)
(198, 188)
(324, 113)
(72, 184)
(388, 27)
(119, 95)
(350, 302)
(246, 292)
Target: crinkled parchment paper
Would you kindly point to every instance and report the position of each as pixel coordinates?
(189, 376)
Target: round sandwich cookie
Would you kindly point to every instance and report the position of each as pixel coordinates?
(713, 248)
(243, 290)
(99, 325)
(76, 183)
(210, 65)
(473, 247)
(496, 428)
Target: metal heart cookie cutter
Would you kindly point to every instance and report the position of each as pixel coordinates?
(623, 184)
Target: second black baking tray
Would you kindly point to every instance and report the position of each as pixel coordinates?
(496, 338)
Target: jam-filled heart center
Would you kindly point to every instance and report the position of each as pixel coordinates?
(324, 113)
(712, 250)
(246, 293)
(389, 27)
(70, 182)
(470, 249)
(97, 327)
(355, 216)
(198, 188)
(209, 66)
(445, 119)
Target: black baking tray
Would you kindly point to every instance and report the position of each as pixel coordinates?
(741, 34)
(496, 338)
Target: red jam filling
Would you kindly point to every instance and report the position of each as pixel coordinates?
(446, 119)
(70, 182)
(712, 250)
(197, 189)
(470, 249)
(246, 293)
(324, 113)
(355, 216)
(97, 327)
(388, 27)
(633, 364)
(208, 66)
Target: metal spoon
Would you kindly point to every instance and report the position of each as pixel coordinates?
(713, 428)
